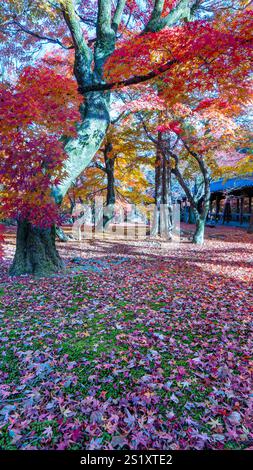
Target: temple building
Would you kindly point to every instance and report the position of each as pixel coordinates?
(232, 200)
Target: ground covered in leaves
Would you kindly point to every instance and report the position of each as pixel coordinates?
(140, 345)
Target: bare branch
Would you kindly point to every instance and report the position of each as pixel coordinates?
(99, 166)
(148, 134)
(120, 116)
(36, 35)
(181, 180)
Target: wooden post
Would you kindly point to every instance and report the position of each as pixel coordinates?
(237, 209)
(241, 210)
(217, 207)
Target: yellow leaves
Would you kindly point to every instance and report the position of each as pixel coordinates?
(84, 334)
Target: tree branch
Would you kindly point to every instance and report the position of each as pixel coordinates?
(182, 183)
(83, 54)
(73, 22)
(149, 136)
(99, 166)
(203, 168)
(182, 10)
(118, 15)
(123, 114)
(135, 80)
(104, 19)
(38, 35)
(155, 16)
(105, 42)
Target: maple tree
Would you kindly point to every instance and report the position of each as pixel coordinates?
(34, 114)
(201, 145)
(123, 52)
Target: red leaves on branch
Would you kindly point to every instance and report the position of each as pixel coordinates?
(34, 115)
(208, 102)
(207, 56)
(174, 126)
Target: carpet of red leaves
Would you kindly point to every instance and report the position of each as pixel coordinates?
(140, 344)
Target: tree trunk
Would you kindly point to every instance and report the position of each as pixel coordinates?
(80, 150)
(155, 228)
(162, 220)
(61, 235)
(167, 210)
(108, 211)
(201, 216)
(110, 196)
(202, 205)
(90, 134)
(35, 251)
(198, 236)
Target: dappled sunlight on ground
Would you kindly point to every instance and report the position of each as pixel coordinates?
(140, 344)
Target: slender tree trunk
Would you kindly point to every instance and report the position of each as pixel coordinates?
(162, 220)
(61, 235)
(110, 197)
(109, 210)
(35, 251)
(201, 215)
(167, 212)
(155, 228)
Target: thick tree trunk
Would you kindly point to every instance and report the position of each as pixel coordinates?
(90, 135)
(80, 150)
(35, 251)
(201, 216)
(198, 236)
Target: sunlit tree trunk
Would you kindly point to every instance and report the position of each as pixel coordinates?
(200, 210)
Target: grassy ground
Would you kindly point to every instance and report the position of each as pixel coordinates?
(140, 345)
